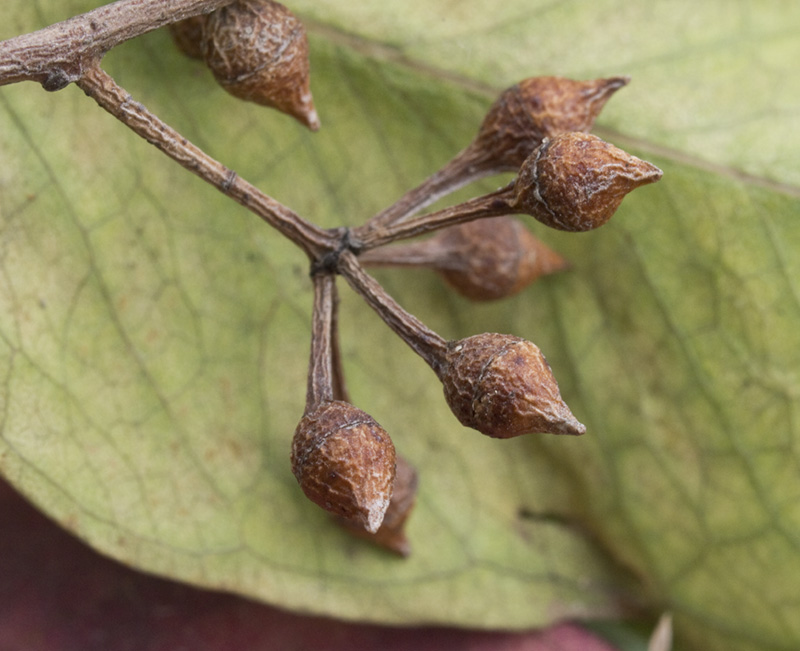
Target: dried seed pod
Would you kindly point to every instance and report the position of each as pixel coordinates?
(258, 51)
(517, 122)
(345, 462)
(188, 35)
(576, 181)
(494, 258)
(537, 108)
(391, 533)
(502, 386)
(484, 260)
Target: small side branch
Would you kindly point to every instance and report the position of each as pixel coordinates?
(501, 202)
(420, 338)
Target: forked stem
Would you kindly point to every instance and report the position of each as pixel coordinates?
(500, 202)
(470, 164)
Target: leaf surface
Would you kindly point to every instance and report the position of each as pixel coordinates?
(43, 568)
(154, 336)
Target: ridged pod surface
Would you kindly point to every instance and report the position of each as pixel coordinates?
(345, 462)
(537, 108)
(502, 386)
(258, 51)
(576, 181)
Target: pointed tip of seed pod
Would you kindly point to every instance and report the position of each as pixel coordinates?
(296, 102)
(372, 514)
(613, 84)
(401, 546)
(305, 112)
(538, 258)
(312, 120)
(576, 181)
(563, 105)
(391, 533)
(648, 173)
(566, 423)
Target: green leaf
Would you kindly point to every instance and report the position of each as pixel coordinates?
(154, 336)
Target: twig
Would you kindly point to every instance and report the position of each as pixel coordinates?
(100, 86)
(422, 340)
(320, 367)
(500, 202)
(465, 167)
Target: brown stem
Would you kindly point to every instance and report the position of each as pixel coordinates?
(338, 380)
(467, 166)
(320, 366)
(98, 85)
(57, 55)
(424, 341)
(500, 202)
(422, 253)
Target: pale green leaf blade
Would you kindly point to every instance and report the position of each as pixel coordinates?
(156, 336)
(157, 340)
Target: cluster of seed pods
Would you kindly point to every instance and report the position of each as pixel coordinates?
(498, 384)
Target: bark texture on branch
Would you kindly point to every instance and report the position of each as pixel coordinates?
(57, 55)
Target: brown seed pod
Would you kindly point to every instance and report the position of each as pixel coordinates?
(258, 51)
(502, 386)
(576, 181)
(537, 108)
(188, 35)
(516, 123)
(494, 258)
(391, 533)
(484, 260)
(345, 463)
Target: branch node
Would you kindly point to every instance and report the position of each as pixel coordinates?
(329, 262)
(227, 184)
(57, 79)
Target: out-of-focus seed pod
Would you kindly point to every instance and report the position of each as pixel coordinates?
(258, 51)
(188, 35)
(484, 260)
(497, 257)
